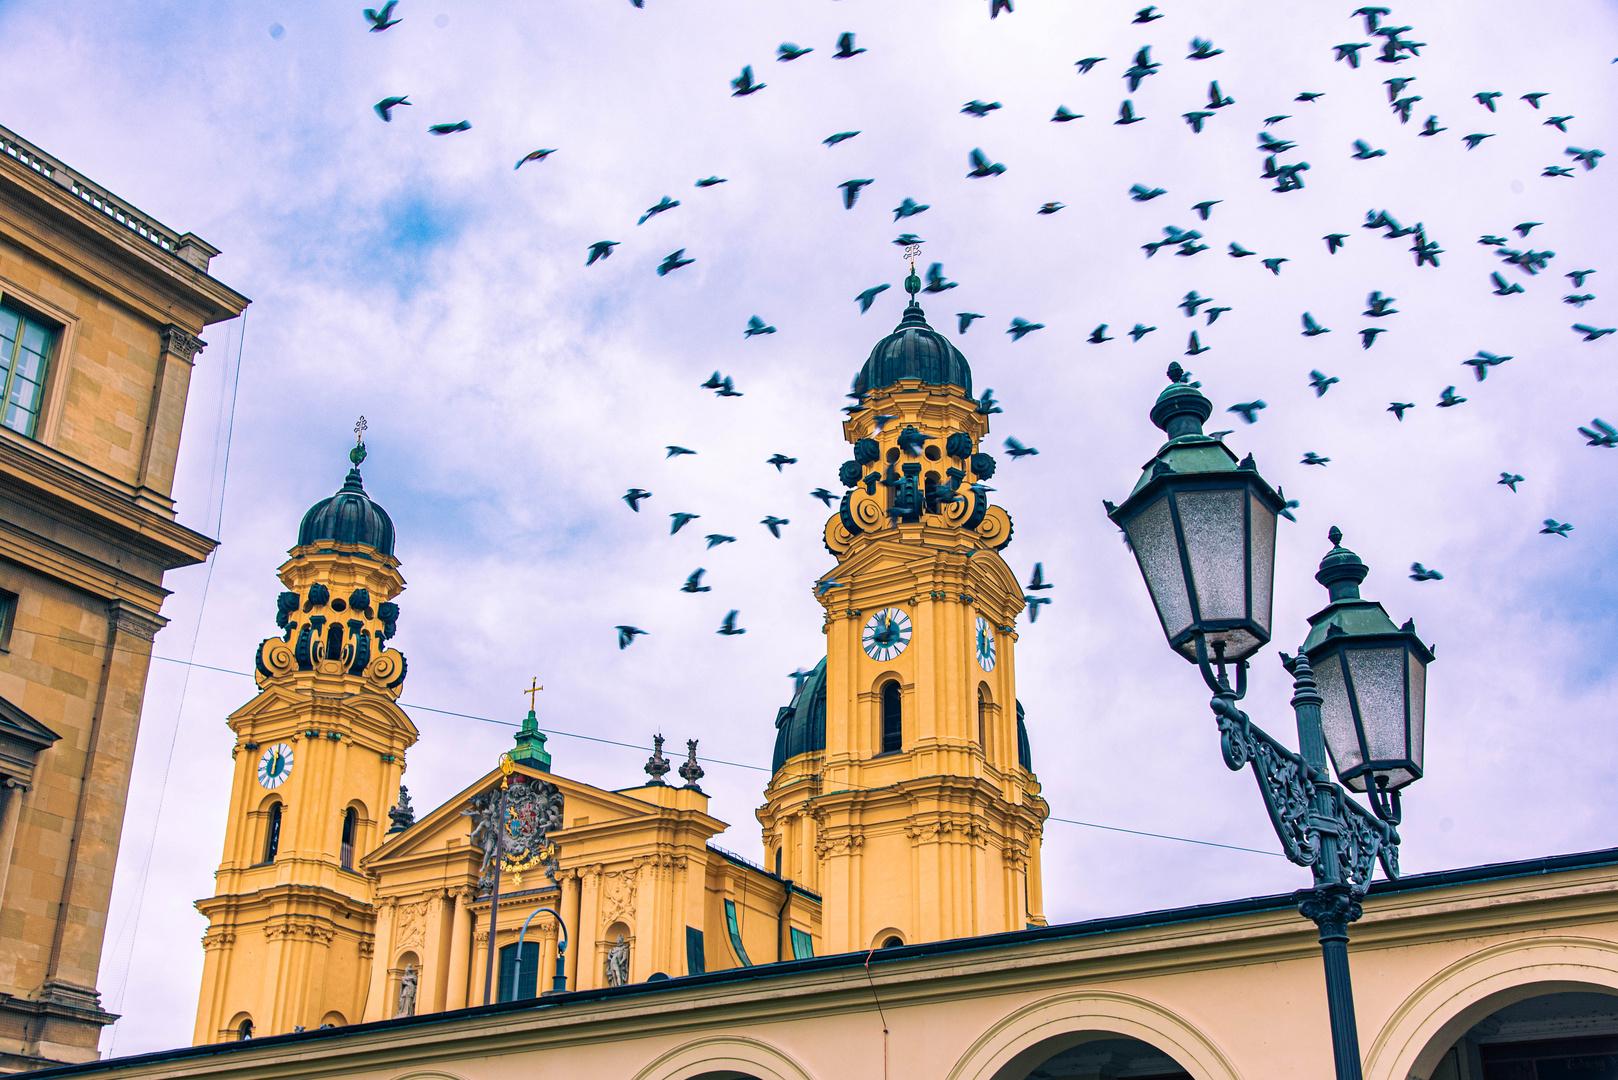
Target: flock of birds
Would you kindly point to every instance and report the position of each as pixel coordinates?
(1388, 45)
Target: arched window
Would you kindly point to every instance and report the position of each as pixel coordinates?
(777, 862)
(983, 719)
(334, 641)
(245, 1031)
(893, 943)
(351, 822)
(892, 719)
(272, 835)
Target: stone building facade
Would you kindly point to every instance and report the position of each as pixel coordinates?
(101, 312)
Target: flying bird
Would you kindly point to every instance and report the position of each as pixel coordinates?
(1363, 151)
(823, 495)
(680, 521)
(385, 107)
(1213, 313)
(1588, 158)
(1098, 336)
(729, 627)
(1321, 382)
(1037, 581)
(1372, 17)
(1147, 14)
(1368, 336)
(1533, 99)
(788, 51)
(936, 282)
(1205, 207)
(979, 109)
(907, 240)
(773, 523)
(986, 404)
(633, 497)
(1397, 408)
(1192, 302)
(1022, 327)
(1142, 193)
(1017, 449)
(845, 47)
(715, 539)
(1087, 63)
(908, 208)
(1526, 227)
(1195, 347)
(1248, 409)
(780, 460)
(1334, 241)
(1511, 480)
(1605, 434)
(1126, 114)
(1194, 118)
(1350, 51)
(1559, 123)
(1202, 49)
(1312, 458)
(1579, 300)
(381, 20)
(1557, 170)
(533, 155)
(1239, 252)
(627, 634)
(599, 250)
(851, 191)
(676, 451)
(841, 136)
(1063, 115)
(1309, 95)
(1050, 208)
(1270, 121)
(693, 584)
(866, 298)
(1449, 399)
(755, 327)
(982, 166)
(1482, 362)
(1591, 333)
(826, 586)
(743, 84)
(1431, 127)
(1419, 572)
(450, 129)
(1557, 528)
(1312, 328)
(1487, 99)
(1503, 287)
(1273, 265)
(1034, 604)
(997, 6)
(1140, 331)
(966, 318)
(673, 261)
(1216, 99)
(1472, 141)
(663, 205)
(1578, 277)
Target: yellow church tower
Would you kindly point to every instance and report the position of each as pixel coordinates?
(903, 790)
(318, 758)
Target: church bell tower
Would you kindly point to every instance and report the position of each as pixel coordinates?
(318, 758)
(903, 789)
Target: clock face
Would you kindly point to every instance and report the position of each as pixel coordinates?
(275, 766)
(886, 634)
(985, 644)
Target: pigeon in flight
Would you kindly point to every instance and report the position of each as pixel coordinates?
(1034, 604)
(1022, 327)
(936, 282)
(1063, 115)
(1487, 99)
(1309, 95)
(1556, 528)
(743, 84)
(1248, 409)
(1591, 333)
(979, 109)
(1334, 241)
(823, 495)
(774, 524)
(1140, 331)
(1579, 300)
(1050, 208)
(1312, 458)
(826, 586)
(1038, 582)
(533, 155)
(1018, 450)
(715, 539)
(1273, 265)
(1578, 276)
(1397, 408)
(673, 261)
(1502, 287)
(756, 326)
(450, 129)
(729, 627)
(1559, 123)
(1419, 572)
(867, 297)
(841, 136)
(780, 460)
(1089, 62)
(845, 48)
(1449, 399)
(908, 208)
(1194, 347)
(1147, 14)
(680, 521)
(385, 107)
(1202, 49)
(1195, 118)
(627, 634)
(1098, 336)
(1239, 252)
(982, 166)
(1126, 114)
(1312, 328)
(1533, 99)
(1350, 51)
(851, 191)
(788, 51)
(693, 584)
(1605, 434)
(1368, 336)
(1431, 127)
(1473, 140)
(966, 318)
(1142, 193)
(633, 497)
(1205, 207)
(1511, 480)
(664, 205)
(599, 250)
(1588, 158)
(381, 20)
(1483, 361)
(1321, 382)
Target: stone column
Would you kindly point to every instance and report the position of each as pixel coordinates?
(12, 790)
(103, 793)
(381, 960)
(460, 950)
(570, 917)
(166, 412)
(547, 957)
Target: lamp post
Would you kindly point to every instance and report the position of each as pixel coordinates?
(559, 980)
(1202, 526)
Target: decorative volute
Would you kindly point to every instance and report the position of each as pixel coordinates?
(338, 611)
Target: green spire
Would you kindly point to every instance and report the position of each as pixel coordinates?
(530, 747)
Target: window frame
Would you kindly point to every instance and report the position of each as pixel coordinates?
(347, 838)
(272, 833)
(55, 332)
(8, 618)
(883, 730)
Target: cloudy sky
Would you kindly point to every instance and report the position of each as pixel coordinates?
(513, 394)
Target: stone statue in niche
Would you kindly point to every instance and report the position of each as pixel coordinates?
(618, 963)
(407, 991)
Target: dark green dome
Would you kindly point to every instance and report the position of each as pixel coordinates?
(348, 517)
(914, 351)
(800, 727)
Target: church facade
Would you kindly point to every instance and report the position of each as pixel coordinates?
(902, 808)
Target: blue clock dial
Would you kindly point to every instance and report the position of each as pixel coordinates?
(275, 766)
(886, 634)
(985, 644)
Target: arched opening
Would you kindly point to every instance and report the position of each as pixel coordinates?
(351, 824)
(334, 641)
(983, 718)
(892, 943)
(888, 938)
(777, 862)
(1568, 1033)
(333, 1019)
(244, 1030)
(892, 719)
(405, 982)
(272, 833)
(1092, 1054)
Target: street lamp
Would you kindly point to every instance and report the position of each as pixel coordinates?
(1202, 526)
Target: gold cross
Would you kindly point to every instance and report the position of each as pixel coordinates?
(532, 691)
(359, 430)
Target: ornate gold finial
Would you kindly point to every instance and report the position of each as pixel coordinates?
(357, 454)
(912, 283)
(360, 428)
(507, 766)
(532, 691)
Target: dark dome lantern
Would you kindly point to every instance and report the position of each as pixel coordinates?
(914, 351)
(348, 517)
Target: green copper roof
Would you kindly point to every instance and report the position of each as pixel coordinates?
(914, 351)
(530, 747)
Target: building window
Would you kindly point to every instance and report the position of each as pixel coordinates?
(272, 836)
(893, 943)
(892, 719)
(245, 1031)
(8, 617)
(351, 821)
(777, 862)
(983, 720)
(803, 946)
(518, 985)
(736, 933)
(25, 348)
